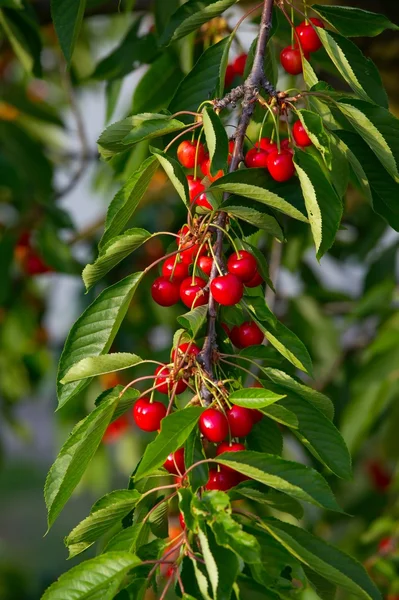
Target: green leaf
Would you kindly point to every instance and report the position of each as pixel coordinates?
(129, 539)
(216, 140)
(289, 477)
(210, 562)
(112, 253)
(191, 16)
(254, 398)
(313, 125)
(158, 85)
(263, 266)
(339, 164)
(223, 66)
(202, 81)
(354, 22)
(271, 498)
(265, 436)
(193, 453)
(175, 173)
(97, 326)
(257, 185)
(96, 578)
(104, 515)
(23, 34)
(323, 204)
(193, 320)
(238, 207)
(98, 365)
(332, 564)
(280, 415)
(76, 454)
(359, 72)
(175, 429)
(67, 16)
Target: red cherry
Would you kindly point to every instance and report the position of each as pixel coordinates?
(266, 144)
(115, 429)
(188, 348)
(225, 328)
(240, 421)
(226, 447)
(165, 292)
(175, 462)
(379, 475)
(239, 64)
(227, 289)
(205, 263)
(256, 159)
(249, 334)
(205, 168)
(300, 135)
(148, 415)
(187, 153)
(243, 265)
(34, 264)
(203, 202)
(291, 60)
(235, 336)
(308, 37)
(257, 415)
(285, 144)
(281, 166)
(231, 150)
(174, 270)
(182, 521)
(191, 292)
(222, 480)
(213, 425)
(189, 251)
(229, 77)
(387, 545)
(195, 187)
(256, 280)
(165, 382)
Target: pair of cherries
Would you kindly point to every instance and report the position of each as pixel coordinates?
(215, 426)
(242, 269)
(245, 335)
(265, 155)
(290, 57)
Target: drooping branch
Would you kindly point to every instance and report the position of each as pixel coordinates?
(249, 92)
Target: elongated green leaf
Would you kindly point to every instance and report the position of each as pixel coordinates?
(175, 173)
(292, 478)
(157, 87)
(193, 320)
(329, 562)
(202, 81)
(254, 397)
(76, 454)
(193, 453)
(216, 140)
(127, 199)
(281, 415)
(358, 71)
(97, 326)
(23, 34)
(129, 539)
(67, 17)
(223, 66)
(238, 207)
(266, 436)
(313, 124)
(98, 365)
(258, 185)
(323, 204)
(175, 429)
(96, 578)
(113, 253)
(354, 22)
(191, 16)
(276, 500)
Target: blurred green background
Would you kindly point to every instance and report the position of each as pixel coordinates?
(54, 194)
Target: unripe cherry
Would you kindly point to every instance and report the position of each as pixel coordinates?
(174, 270)
(239, 64)
(291, 60)
(165, 383)
(256, 158)
(175, 462)
(240, 421)
(227, 289)
(222, 480)
(213, 425)
(308, 37)
(188, 348)
(148, 415)
(243, 265)
(191, 292)
(281, 165)
(205, 263)
(165, 292)
(300, 135)
(249, 334)
(187, 153)
(256, 280)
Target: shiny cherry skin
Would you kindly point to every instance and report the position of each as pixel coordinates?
(285, 144)
(205, 264)
(205, 168)
(186, 349)
(226, 447)
(243, 265)
(291, 60)
(195, 187)
(148, 415)
(227, 289)
(187, 153)
(300, 135)
(164, 382)
(189, 251)
(203, 202)
(256, 158)
(308, 37)
(165, 292)
(174, 270)
(256, 280)
(256, 415)
(231, 150)
(235, 336)
(213, 425)
(174, 464)
(229, 77)
(249, 334)
(182, 521)
(240, 421)
(281, 165)
(191, 292)
(239, 64)
(266, 144)
(222, 480)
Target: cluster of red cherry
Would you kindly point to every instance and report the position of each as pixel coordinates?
(308, 40)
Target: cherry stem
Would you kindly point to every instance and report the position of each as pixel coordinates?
(197, 464)
(186, 130)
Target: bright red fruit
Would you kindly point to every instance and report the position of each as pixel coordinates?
(213, 425)
(239, 64)
(165, 292)
(195, 187)
(291, 60)
(165, 383)
(202, 201)
(175, 462)
(188, 348)
(240, 421)
(187, 153)
(308, 37)
(256, 416)
(249, 334)
(285, 144)
(222, 480)
(281, 166)
(205, 168)
(148, 415)
(243, 265)
(34, 264)
(266, 144)
(115, 429)
(205, 264)
(230, 74)
(256, 158)
(226, 447)
(300, 135)
(387, 545)
(227, 289)
(188, 252)
(191, 292)
(182, 521)
(174, 270)
(235, 336)
(256, 280)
